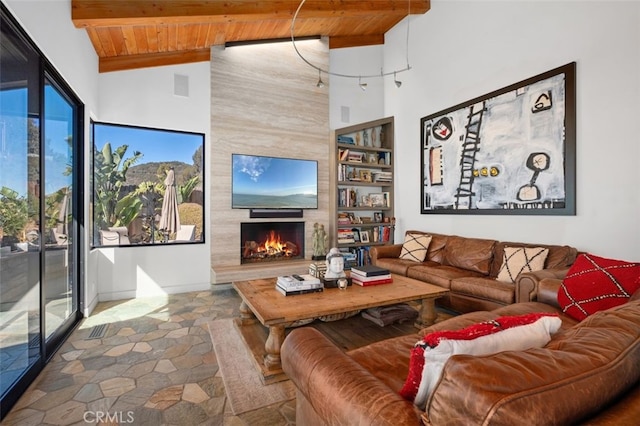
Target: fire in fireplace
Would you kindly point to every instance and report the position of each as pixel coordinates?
(271, 241)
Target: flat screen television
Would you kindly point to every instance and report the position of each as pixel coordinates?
(260, 182)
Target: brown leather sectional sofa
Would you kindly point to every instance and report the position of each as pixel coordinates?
(468, 267)
(589, 373)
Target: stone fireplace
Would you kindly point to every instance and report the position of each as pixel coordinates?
(239, 125)
(271, 241)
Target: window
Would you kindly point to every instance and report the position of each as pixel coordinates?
(147, 186)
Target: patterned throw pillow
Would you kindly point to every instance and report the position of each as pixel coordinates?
(508, 333)
(521, 259)
(415, 247)
(596, 283)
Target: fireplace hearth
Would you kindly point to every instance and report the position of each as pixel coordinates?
(271, 241)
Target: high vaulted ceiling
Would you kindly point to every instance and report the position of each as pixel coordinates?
(128, 34)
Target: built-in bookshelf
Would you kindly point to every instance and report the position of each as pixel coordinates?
(362, 188)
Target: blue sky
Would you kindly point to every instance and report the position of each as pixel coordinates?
(156, 145)
(14, 132)
(274, 176)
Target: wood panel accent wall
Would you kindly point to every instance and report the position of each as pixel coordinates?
(264, 101)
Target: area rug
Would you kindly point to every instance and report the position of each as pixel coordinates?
(245, 391)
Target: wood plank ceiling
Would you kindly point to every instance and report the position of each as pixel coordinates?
(146, 33)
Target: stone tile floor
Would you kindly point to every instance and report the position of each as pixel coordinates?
(154, 365)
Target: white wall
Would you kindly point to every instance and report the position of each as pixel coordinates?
(464, 49)
(346, 93)
(145, 97)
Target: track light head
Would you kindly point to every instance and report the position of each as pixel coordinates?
(320, 83)
(395, 80)
(362, 85)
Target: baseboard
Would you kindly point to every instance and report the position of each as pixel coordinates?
(134, 294)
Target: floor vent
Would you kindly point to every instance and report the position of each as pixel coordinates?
(98, 332)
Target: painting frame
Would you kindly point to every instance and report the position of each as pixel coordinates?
(508, 152)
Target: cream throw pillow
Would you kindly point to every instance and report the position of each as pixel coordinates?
(511, 333)
(521, 259)
(415, 247)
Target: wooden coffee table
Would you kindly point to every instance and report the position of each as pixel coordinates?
(261, 302)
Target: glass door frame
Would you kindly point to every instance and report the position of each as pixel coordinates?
(51, 344)
(46, 73)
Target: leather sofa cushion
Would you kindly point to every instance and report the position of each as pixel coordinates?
(485, 288)
(472, 254)
(558, 257)
(437, 274)
(395, 265)
(388, 359)
(601, 353)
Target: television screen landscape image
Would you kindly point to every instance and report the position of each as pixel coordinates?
(260, 182)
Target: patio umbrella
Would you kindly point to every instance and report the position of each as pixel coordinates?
(169, 217)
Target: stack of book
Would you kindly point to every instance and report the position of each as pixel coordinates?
(344, 219)
(345, 236)
(370, 275)
(380, 176)
(386, 315)
(298, 284)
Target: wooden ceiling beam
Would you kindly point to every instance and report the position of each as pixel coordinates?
(129, 62)
(104, 13)
(355, 41)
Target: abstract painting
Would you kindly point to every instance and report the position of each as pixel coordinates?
(511, 151)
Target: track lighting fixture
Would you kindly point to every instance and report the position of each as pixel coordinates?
(362, 85)
(395, 80)
(320, 83)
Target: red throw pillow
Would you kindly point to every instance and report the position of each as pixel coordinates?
(596, 283)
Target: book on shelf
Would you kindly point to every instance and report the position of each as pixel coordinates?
(347, 197)
(379, 176)
(357, 256)
(346, 139)
(287, 281)
(370, 271)
(355, 157)
(348, 255)
(296, 292)
(345, 236)
(386, 233)
(365, 283)
(344, 219)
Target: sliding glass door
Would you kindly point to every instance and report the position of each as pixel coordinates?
(60, 295)
(40, 169)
